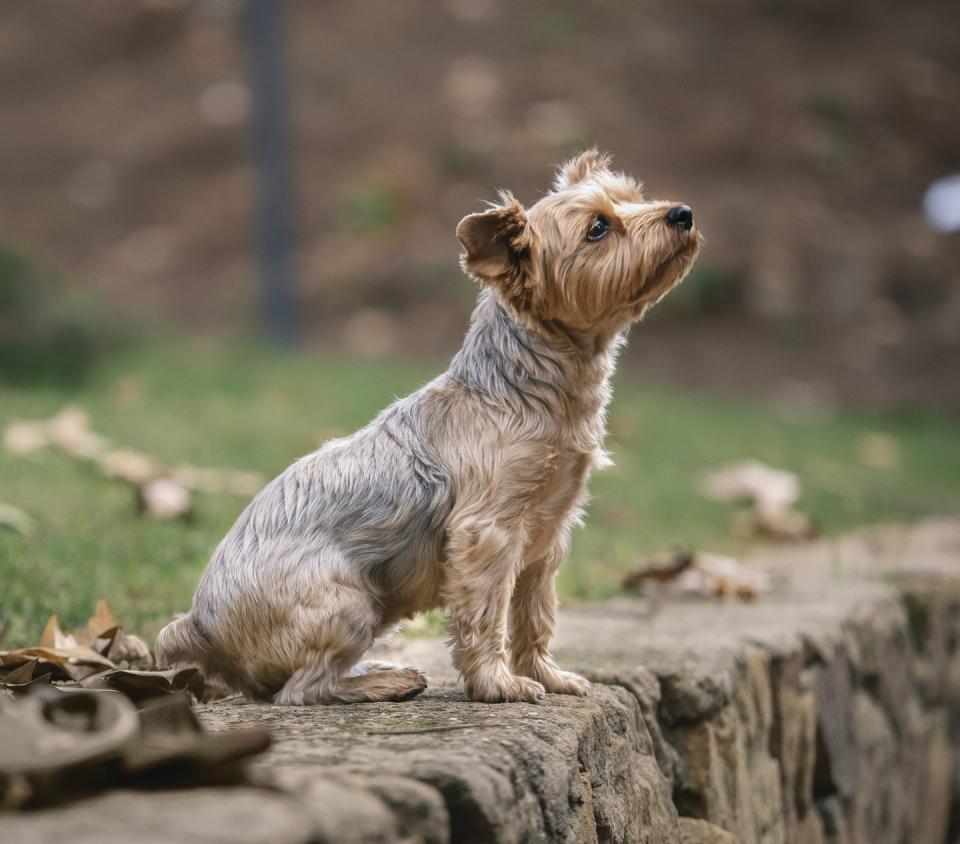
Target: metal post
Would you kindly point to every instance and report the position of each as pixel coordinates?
(272, 155)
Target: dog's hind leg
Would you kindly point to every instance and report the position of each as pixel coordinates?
(316, 684)
(330, 671)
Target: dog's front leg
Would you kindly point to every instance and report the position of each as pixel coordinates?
(533, 616)
(481, 570)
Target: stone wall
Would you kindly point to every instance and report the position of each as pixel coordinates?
(842, 734)
(825, 712)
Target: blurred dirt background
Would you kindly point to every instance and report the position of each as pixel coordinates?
(804, 134)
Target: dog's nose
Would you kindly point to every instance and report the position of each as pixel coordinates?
(681, 216)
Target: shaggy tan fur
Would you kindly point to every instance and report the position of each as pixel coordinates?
(463, 495)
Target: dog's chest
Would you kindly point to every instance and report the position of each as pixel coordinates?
(556, 496)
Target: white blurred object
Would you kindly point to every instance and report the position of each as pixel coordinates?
(771, 490)
(941, 204)
(164, 498)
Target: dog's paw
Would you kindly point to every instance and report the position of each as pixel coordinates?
(416, 683)
(565, 683)
(506, 688)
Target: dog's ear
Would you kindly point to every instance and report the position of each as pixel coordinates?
(497, 247)
(581, 167)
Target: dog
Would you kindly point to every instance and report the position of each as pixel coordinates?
(463, 495)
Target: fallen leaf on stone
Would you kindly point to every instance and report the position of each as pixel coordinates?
(98, 646)
(726, 577)
(15, 519)
(23, 680)
(699, 575)
(164, 498)
(59, 743)
(140, 685)
(40, 660)
(63, 663)
(23, 674)
(103, 634)
(76, 646)
(659, 569)
(54, 741)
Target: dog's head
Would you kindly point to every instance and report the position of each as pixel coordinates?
(591, 255)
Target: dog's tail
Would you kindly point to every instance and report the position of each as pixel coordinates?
(181, 644)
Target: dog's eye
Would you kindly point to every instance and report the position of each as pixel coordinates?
(599, 228)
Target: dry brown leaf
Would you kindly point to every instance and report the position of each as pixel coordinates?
(49, 631)
(70, 652)
(102, 620)
(659, 569)
(15, 658)
(64, 663)
(700, 575)
(728, 577)
(102, 644)
(103, 635)
(22, 674)
(139, 685)
(22, 681)
(40, 659)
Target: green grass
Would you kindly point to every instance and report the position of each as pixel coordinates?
(247, 408)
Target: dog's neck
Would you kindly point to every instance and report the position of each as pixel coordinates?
(538, 368)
